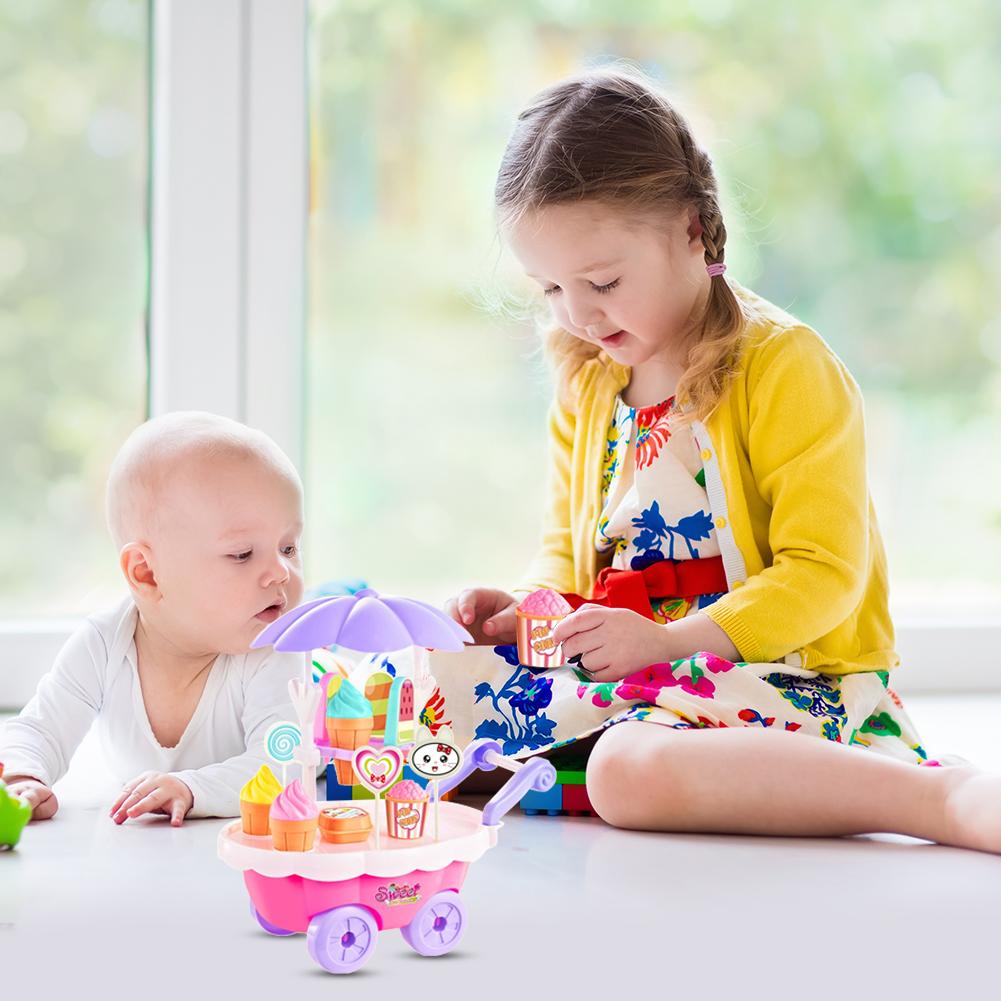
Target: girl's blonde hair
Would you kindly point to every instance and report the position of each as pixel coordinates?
(609, 136)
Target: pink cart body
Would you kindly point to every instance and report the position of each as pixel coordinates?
(291, 902)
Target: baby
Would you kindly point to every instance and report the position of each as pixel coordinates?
(206, 516)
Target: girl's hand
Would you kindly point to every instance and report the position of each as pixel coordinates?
(611, 643)
(153, 792)
(37, 795)
(487, 613)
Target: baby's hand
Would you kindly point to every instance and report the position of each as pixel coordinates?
(609, 644)
(487, 613)
(153, 792)
(37, 795)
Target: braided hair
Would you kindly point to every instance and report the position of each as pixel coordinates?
(609, 136)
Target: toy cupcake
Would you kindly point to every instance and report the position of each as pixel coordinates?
(349, 725)
(406, 808)
(293, 819)
(536, 617)
(341, 825)
(256, 798)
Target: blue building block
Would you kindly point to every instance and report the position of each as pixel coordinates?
(549, 802)
(336, 791)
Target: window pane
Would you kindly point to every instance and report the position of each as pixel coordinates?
(858, 161)
(72, 289)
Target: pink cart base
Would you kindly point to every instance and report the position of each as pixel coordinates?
(291, 902)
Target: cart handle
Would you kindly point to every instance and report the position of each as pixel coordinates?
(485, 754)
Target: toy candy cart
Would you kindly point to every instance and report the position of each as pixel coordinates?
(343, 895)
(346, 886)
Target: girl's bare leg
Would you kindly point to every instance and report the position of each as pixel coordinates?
(744, 781)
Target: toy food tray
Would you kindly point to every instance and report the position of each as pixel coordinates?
(462, 837)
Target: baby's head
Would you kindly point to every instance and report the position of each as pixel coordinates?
(612, 207)
(206, 514)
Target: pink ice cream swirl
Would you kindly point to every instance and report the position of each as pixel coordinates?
(293, 804)
(546, 603)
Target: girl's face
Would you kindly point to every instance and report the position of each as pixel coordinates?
(630, 286)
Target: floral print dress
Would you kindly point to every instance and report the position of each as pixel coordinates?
(655, 506)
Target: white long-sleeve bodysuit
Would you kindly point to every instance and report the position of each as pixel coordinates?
(95, 677)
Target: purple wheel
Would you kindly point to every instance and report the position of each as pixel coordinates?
(266, 924)
(438, 926)
(343, 939)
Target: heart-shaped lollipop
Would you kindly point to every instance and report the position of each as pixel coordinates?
(377, 768)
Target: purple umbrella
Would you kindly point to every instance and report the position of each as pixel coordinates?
(365, 622)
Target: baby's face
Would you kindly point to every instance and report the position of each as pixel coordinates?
(227, 553)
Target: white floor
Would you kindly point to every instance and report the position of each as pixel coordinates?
(560, 905)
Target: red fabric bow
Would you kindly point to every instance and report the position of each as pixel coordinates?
(664, 579)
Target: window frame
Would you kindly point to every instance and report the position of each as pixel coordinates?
(229, 105)
(228, 254)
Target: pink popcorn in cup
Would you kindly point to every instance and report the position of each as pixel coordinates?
(536, 617)
(406, 810)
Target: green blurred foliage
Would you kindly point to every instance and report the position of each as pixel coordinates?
(72, 287)
(858, 149)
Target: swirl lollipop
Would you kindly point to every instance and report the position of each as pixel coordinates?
(280, 743)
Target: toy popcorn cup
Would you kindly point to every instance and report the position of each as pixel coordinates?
(536, 617)
(406, 810)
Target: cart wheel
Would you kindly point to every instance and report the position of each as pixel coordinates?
(438, 926)
(343, 939)
(266, 924)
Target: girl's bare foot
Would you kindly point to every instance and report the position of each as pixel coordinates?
(973, 809)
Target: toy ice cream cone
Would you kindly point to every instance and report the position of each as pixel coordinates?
(293, 835)
(293, 819)
(349, 726)
(536, 617)
(348, 735)
(256, 798)
(254, 818)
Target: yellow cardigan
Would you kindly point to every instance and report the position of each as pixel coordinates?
(785, 463)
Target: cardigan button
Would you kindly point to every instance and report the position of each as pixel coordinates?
(706, 454)
(721, 522)
(736, 584)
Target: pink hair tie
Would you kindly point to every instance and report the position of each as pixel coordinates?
(715, 269)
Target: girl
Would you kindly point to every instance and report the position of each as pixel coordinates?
(708, 495)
